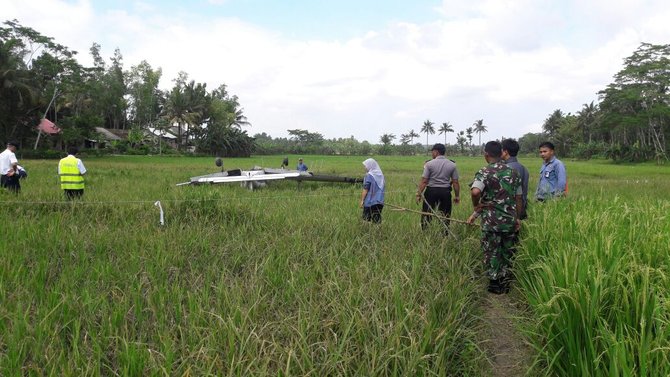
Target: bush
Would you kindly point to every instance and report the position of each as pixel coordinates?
(41, 154)
(629, 153)
(586, 151)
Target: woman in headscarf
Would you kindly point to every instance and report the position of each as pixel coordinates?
(372, 198)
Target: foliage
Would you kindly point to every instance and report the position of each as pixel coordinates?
(594, 270)
(529, 143)
(585, 151)
(629, 153)
(633, 116)
(266, 144)
(41, 78)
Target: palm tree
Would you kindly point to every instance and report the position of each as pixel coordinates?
(240, 119)
(444, 129)
(185, 106)
(412, 134)
(468, 133)
(479, 129)
(387, 139)
(17, 88)
(552, 124)
(428, 129)
(587, 118)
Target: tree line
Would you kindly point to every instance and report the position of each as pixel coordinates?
(40, 78)
(629, 123)
(306, 142)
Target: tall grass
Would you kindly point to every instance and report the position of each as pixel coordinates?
(285, 281)
(595, 270)
(289, 281)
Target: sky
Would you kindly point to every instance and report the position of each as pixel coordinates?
(368, 67)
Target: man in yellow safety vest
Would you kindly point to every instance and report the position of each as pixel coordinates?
(71, 171)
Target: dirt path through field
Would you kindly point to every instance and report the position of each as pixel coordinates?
(505, 345)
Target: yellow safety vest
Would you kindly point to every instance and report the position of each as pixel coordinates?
(70, 177)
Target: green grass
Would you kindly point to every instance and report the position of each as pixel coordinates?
(595, 271)
(283, 281)
(289, 281)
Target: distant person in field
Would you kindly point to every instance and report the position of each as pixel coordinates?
(510, 149)
(553, 178)
(496, 197)
(9, 168)
(372, 197)
(71, 171)
(301, 166)
(439, 177)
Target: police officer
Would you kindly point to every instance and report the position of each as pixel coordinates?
(439, 177)
(496, 197)
(71, 171)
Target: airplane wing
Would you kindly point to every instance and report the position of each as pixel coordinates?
(244, 176)
(267, 174)
(249, 178)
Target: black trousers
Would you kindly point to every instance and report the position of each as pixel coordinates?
(11, 183)
(74, 194)
(436, 198)
(373, 213)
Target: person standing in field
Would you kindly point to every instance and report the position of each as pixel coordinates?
(439, 176)
(510, 149)
(553, 178)
(9, 168)
(71, 171)
(301, 166)
(496, 197)
(372, 197)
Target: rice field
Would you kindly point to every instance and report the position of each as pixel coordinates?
(289, 281)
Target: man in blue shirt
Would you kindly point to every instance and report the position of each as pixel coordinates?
(553, 179)
(510, 149)
(301, 166)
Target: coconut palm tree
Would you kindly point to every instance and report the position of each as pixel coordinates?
(444, 129)
(412, 134)
(554, 122)
(428, 129)
(587, 118)
(479, 129)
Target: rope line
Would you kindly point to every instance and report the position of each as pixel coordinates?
(152, 201)
(403, 209)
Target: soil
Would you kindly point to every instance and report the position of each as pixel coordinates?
(505, 345)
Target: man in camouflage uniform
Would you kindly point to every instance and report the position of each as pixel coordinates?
(496, 195)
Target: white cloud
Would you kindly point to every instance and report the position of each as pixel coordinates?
(509, 62)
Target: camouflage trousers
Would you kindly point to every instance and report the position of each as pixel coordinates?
(499, 249)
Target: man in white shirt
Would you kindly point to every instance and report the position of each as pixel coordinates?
(9, 168)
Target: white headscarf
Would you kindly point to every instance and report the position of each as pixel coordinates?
(375, 171)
